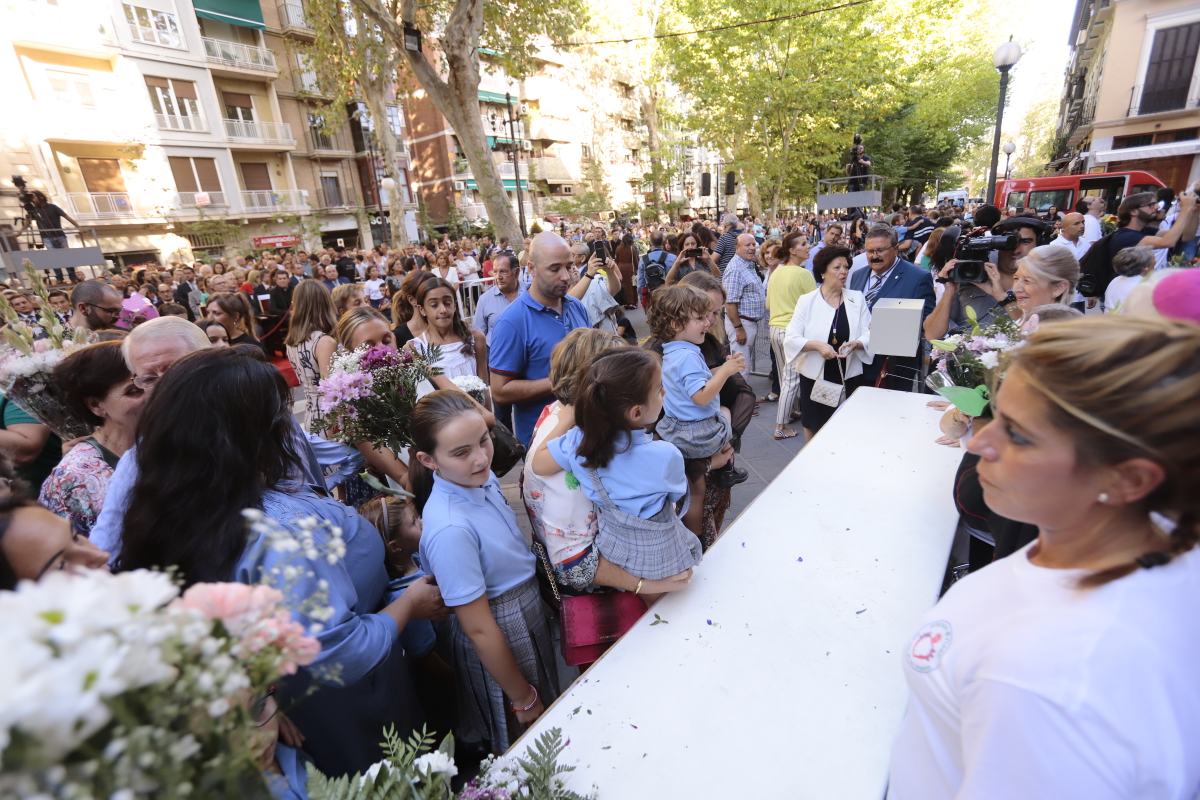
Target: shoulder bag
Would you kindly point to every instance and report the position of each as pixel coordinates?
(828, 393)
(590, 623)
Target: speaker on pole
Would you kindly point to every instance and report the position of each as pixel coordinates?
(729, 182)
(705, 184)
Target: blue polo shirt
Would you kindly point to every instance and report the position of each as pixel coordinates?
(471, 542)
(683, 374)
(522, 341)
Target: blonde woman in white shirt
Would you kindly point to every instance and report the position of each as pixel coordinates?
(828, 335)
(1068, 669)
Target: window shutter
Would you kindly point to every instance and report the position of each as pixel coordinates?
(184, 90)
(1169, 71)
(181, 169)
(206, 169)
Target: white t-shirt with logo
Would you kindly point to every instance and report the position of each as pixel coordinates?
(1024, 686)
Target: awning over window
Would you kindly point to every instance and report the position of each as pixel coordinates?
(244, 13)
(1163, 150)
(492, 97)
(509, 184)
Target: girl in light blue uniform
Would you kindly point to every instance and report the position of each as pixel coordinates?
(634, 480)
(500, 640)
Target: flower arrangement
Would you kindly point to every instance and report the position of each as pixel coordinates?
(965, 363)
(1108, 224)
(29, 353)
(118, 686)
(370, 393)
(475, 387)
(413, 770)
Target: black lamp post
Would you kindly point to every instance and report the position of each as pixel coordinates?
(1004, 58)
(516, 146)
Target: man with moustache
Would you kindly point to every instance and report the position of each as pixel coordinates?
(888, 275)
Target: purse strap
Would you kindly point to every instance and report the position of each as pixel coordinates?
(540, 551)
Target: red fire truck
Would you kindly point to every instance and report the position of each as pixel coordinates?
(1064, 191)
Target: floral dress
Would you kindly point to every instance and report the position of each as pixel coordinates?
(76, 487)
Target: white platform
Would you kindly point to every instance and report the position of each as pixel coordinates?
(777, 673)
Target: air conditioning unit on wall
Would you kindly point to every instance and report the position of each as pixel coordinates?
(459, 186)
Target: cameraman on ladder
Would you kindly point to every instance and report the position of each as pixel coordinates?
(48, 217)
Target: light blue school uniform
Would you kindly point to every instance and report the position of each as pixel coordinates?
(471, 543)
(293, 783)
(359, 682)
(642, 475)
(683, 374)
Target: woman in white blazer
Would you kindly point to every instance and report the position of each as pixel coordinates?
(829, 335)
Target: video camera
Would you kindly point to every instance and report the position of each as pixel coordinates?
(973, 249)
(24, 196)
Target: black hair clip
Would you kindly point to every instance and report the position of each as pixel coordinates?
(1156, 558)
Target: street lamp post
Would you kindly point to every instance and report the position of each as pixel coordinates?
(512, 132)
(1004, 58)
(1009, 149)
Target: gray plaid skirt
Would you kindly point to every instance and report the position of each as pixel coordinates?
(654, 548)
(484, 714)
(695, 438)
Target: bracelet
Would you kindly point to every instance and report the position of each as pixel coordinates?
(638, 589)
(737, 327)
(532, 703)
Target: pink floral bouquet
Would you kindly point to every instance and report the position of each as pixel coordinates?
(965, 364)
(370, 393)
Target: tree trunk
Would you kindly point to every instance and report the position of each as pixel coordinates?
(650, 113)
(753, 199)
(457, 96)
(377, 106)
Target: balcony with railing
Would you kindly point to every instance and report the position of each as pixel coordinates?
(269, 133)
(268, 200)
(292, 19)
(180, 122)
(239, 56)
(100, 205)
(199, 201)
(329, 141)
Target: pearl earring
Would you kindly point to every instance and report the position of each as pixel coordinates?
(1103, 498)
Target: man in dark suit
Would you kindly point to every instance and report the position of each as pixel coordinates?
(891, 276)
(184, 289)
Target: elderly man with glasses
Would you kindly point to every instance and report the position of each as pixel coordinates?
(150, 349)
(889, 275)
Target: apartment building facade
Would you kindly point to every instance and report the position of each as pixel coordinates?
(573, 120)
(1132, 93)
(171, 128)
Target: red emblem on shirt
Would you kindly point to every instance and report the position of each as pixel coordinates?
(928, 646)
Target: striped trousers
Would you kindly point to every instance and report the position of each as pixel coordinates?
(789, 379)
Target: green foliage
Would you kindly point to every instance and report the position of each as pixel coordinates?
(782, 102)
(400, 777)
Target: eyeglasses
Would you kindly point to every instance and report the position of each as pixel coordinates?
(145, 382)
(882, 252)
(105, 309)
(258, 711)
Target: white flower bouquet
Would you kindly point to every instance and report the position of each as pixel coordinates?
(413, 770)
(474, 386)
(26, 362)
(118, 686)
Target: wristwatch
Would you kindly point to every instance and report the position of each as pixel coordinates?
(1009, 298)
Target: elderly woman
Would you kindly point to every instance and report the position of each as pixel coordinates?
(1132, 265)
(98, 389)
(828, 336)
(1047, 275)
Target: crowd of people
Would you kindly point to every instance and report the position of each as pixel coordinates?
(202, 386)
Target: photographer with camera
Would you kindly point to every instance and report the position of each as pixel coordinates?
(48, 216)
(653, 268)
(693, 257)
(980, 274)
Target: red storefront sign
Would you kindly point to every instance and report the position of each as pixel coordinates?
(282, 240)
